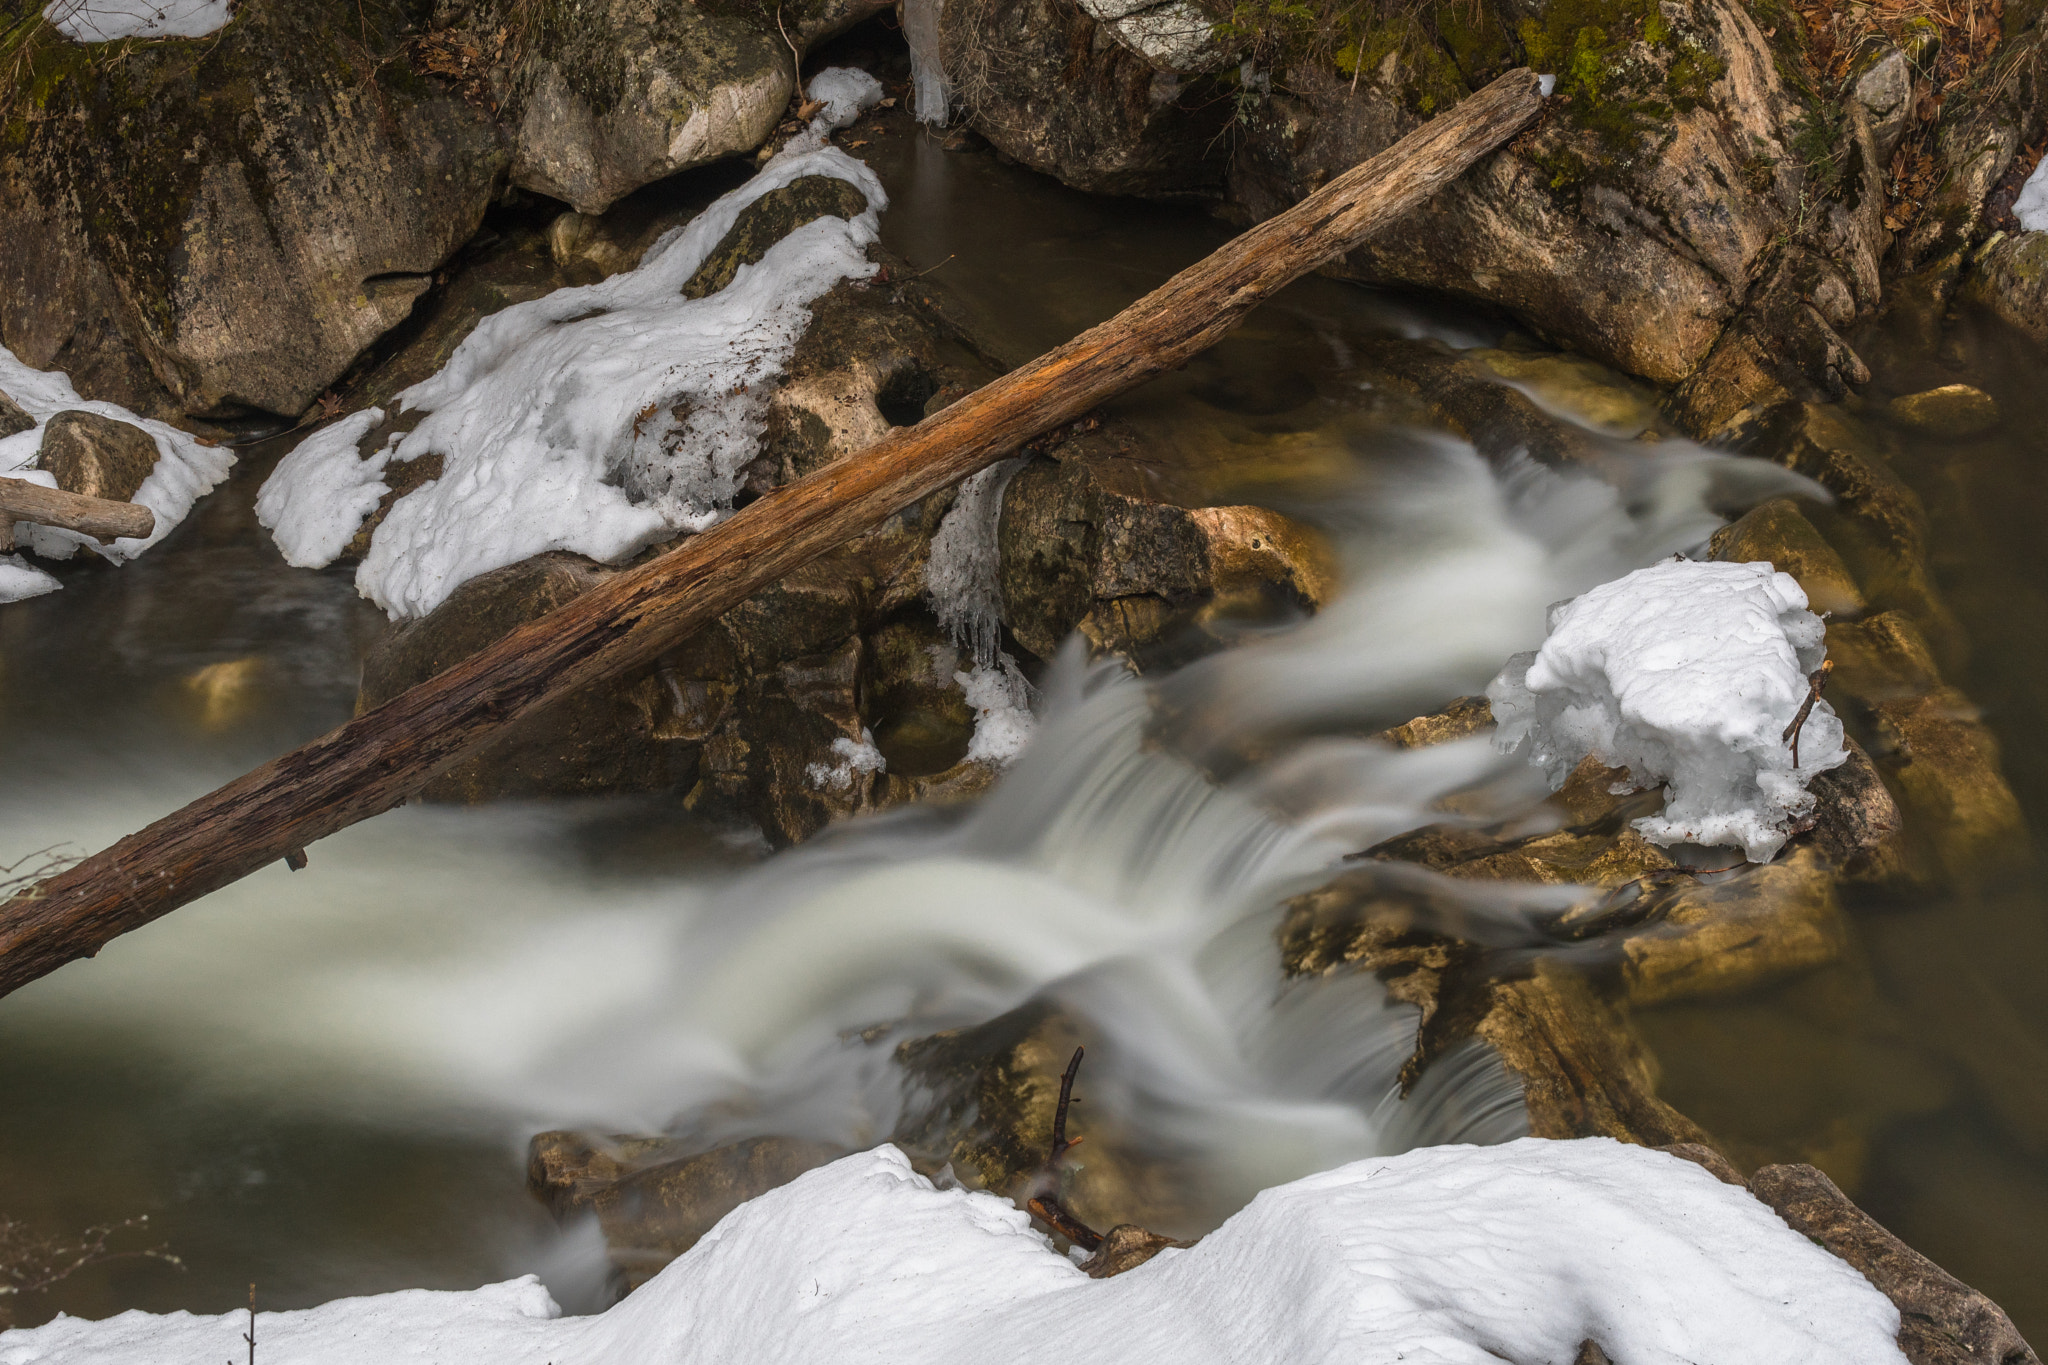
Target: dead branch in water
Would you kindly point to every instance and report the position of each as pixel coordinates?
(1047, 1206)
(386, 755)
(30, 1264)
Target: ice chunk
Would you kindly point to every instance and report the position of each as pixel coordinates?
(931, 93)
(961, 578)
(597, 419)
(1456, 1255)
(1687, 674)
(102, 21)
(185, 471)
(1000, 696)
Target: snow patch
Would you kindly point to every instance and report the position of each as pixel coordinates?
(598, 419)
(21, 580)
(2031, 207)
(103, 21)
(1455, 1255)
(1544, 85)
(1687, 674)
(185, 469)
(854, 759)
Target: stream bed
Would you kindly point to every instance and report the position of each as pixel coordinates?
(324, 1082)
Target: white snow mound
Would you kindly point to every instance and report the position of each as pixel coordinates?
(1687, 674)
(2031, 207)
(1443, 1256)
(597, 419)
(185, 470)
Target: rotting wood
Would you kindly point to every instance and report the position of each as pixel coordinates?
(100, 518)
(385, 755)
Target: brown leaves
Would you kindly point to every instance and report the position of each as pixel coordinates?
(1906, 186)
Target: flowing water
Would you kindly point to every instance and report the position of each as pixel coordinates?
(324, 1081)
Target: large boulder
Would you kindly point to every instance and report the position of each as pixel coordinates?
(600, 97)
(235, 217)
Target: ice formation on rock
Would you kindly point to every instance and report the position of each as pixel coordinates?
(185, 469)
(853, 759)
(1687, 674)
(1452, 1255)
(597, 419)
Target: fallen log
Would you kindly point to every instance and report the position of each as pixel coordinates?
(100, 518)
(377, 760)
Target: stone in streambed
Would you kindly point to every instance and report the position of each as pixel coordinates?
(1777, 533)
(13, 420)
(1716, 937)
(97, 456)
(1954, 411)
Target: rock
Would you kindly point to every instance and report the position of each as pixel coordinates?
(1881, 82)
(652, 1205)
(1715, 938)
(1942, 1321)
(1459, 392)
(1717, 1165)
(13, 420)
(1126, 1247)
(1857, 828)
(1463, 718)
(767, 221)
(982, 1100)
(1956, 411)
(2009, 276)
(243, 213)
(1777, 533)
(1053, 86)
(97, 456)
(1590, 392)
(1961, 816)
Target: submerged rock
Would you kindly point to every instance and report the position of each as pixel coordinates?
(1955, 411)
(1778, 533)
(97, 456)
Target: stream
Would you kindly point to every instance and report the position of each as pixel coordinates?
(324, 1081)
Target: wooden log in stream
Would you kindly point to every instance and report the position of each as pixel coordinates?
(100, 518)
(383, 756)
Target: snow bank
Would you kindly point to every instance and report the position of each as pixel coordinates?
(101, 21)
(1687, 674)
(21, 580)
(185, 470)
(597, 419)
(1446, 1255)
(2031, 207)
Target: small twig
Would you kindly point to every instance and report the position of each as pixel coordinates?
(926, 271)
(1047, 1206)
(250, 1335)
(796, 58)
(1815, 685)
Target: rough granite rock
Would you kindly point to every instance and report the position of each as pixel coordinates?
(97, 456)
(1956, 411)
(2009, 277)
(13, 420)
(1942, 1321)
(241, 214)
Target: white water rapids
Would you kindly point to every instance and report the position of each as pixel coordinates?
(474, 970)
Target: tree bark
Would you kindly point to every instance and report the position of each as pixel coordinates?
(21, 500)
(377, 760)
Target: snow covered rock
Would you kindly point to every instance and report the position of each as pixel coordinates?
(100, 21)
(98, 449)
(1453, 1255)
(597, 419)
(1687, 674)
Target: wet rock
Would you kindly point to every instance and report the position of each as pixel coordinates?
(1053, 86)
(97, 456)
(1942, 1321)
(1778, 533)
(1936, 752)
(1953, 410)
(1699, 1154)
(1857, 827)
(1126, 1247)
(1882, 658)
(981, 1099)
(2010, 278)
(13, 421)
(651, 1205)
(1723, 936)
(242, 214)
(1590, 392)
(1463, 718)
(1470, 397)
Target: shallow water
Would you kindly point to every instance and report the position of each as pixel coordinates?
(324, 1081)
